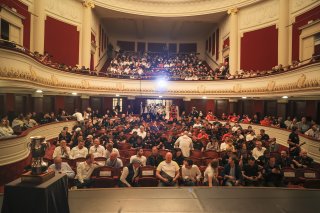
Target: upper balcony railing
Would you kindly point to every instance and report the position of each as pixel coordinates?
(20, 65)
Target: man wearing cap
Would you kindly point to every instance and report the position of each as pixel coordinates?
(130, 174)
(184, 142)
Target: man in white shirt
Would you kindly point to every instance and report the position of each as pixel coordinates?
(313, 132)
(168, 171)
(190, 173)
(110, 149)
(142, 133)
(62, 167)
(79, 116)
(62, 151)
(140, 157)
(184, 142)
(258, 150)
(250, 136)
(97, 150)
(84, 171)
(79, 151)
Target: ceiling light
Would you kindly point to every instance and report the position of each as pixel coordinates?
(160, 96)
(285, 97)
(117, 95)
(74, 93)
(244, 97)
(39, 91)
(204, 97)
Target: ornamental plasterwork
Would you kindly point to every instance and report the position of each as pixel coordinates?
(65, 9)
(172, 8)
(297, 5)
(258, 14)
(40, 77)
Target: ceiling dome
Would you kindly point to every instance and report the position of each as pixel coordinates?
(172, 8)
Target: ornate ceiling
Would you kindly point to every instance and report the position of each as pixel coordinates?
(172, 8)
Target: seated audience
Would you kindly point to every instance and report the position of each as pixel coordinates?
(232, 173)
(110, 149)
(303, 160)
(190, 173)
(211, 174)
(284, 160)
(273, 146)
(251, 174)
(258, 150)
(140, 157)
(168, 171)
(5, 129)
(62, 151)
(155, 158)
(313, 132)
(97, 150)
(79, 151)
(61, 167)
(130, 174)
(213, 145)
(178, 156)
(272, 174)
(114, 161)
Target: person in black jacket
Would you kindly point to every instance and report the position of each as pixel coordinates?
(130, 174)
(232, 173)
(155, 158)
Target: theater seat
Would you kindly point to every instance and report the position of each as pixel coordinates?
(196, 154)
(148, 177)
(124, 146)
(211, 154)
(310, 178)
(104, 177)
(101, 160)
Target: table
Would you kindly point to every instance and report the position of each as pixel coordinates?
(48, 197)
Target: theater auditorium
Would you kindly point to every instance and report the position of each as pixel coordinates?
(159, 106)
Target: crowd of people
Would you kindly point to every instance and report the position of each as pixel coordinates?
(248, 158)
(132, 65)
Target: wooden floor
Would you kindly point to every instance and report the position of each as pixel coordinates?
(195, 200)
(222, 199)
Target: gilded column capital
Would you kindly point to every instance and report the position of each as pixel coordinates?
(88, 3)
(233, 11)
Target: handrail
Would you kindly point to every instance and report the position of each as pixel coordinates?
(208, 56)
(15, 149)
(21, 49)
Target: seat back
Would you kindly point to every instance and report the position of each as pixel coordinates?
(101, 160)
(124, 146)
(147, 171)
(196, 154)
(103, 172)
(147, 152)
(211, 154)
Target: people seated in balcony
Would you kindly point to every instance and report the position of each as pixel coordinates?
(288, 122)
(5, 128)
(97, 150)
(29, 122)
(79, 151)
(84, 171)
(213, 144)
(303, 160)
(303, 125)
(114, 161)
(313, 132)
(18, 124)
(285, 161)
(130, 174)
(190, 173)
(61, 167)
(65, 135)
(62, 150)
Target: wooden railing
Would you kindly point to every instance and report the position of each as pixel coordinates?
(14, 149)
